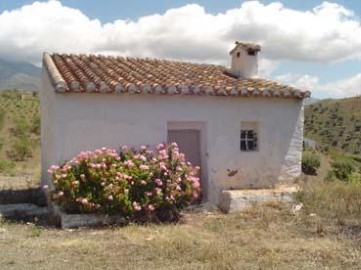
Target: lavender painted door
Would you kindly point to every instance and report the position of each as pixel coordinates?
(189, 142)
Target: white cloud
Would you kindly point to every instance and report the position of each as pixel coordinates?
(342, 88)
(305, 81)
(327, 33)
(347, 87)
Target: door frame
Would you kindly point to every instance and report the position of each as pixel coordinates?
(201, 127)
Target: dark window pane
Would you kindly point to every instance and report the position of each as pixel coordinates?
(250, 145)
(243, 134)
(243, 146)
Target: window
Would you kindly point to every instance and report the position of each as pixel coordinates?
(250, 52)
(238, 54)
(249, 136)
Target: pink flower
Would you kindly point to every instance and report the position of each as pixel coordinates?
(136, 206)
(125, 148)
(143, 182)
(143, 147)
(160, 146)
(110, 198)
(45, 186)
(84, 201)
(142, 158)
(195, 185)
(163, 152)
(82, 176)
(158, 182)
(144, 167)
(151, 207)
(162, 166)
(174, 144)
(129, 163)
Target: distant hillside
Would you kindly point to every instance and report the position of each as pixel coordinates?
(22, 76)
(335, 123)
(19, 130)
(311, 100)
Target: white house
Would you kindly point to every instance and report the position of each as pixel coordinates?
(243, 131)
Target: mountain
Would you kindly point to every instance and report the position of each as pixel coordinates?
(335, 123)
(19, 75)
(309, 101)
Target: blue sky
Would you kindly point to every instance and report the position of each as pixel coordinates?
(310, 44)
(110, 10)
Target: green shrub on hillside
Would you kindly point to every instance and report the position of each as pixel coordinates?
(2, 118)
(6, 166)
(335, 124)
(1, 143)
(35, 125)
(21, 149)
(21, 128)
(310, 162)
(344, 168)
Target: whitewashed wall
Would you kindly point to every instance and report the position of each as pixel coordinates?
(80, 121)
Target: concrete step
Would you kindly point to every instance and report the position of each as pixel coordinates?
(21, 210)
(237, 200)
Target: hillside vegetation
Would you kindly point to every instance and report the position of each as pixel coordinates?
(19, 131)
(335, 124)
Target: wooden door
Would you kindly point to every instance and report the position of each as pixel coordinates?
(189, 142)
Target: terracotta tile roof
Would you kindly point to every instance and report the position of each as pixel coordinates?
(90, 73)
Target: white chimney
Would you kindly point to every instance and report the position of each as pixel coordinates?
(244, 60)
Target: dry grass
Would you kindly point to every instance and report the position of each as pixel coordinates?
(264, 237)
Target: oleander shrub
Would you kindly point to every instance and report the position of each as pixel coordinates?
(310, 162)
(132, 183)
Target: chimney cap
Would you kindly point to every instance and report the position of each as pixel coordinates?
(248, 46)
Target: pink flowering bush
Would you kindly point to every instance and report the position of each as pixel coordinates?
(131, 183)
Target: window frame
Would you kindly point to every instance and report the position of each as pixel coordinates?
(249, 136)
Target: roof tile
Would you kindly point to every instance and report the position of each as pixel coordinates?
(107, 74)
